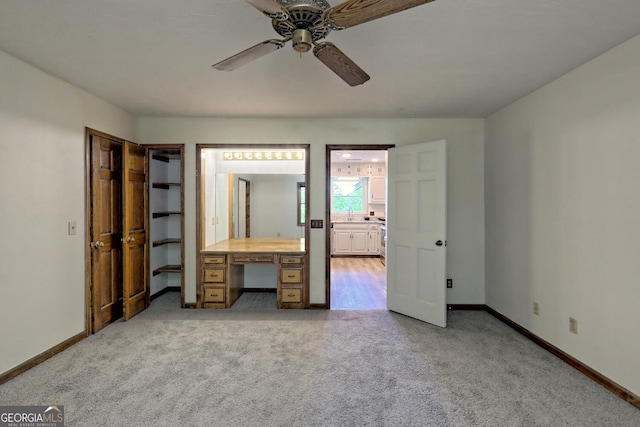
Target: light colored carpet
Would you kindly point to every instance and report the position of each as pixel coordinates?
(259, 366)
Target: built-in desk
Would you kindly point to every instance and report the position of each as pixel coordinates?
(222, 279)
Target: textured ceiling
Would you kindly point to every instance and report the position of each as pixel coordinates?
(449, 58)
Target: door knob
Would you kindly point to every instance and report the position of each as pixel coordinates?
(130, 239)
(439, 243)
(97, 244)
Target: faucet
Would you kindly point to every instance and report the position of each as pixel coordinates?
(350, 213)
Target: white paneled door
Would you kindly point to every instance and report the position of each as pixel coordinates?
(416, 231)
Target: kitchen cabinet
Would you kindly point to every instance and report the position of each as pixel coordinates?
(356, 239)
(349, 169)
(377, 169)
(358, 169)
(350, 241)
(377, 189)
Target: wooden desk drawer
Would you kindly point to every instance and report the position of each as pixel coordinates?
(214, 275)
(291, 275)
(214, 295)
(291, 259)
(291, 295)
(253, 258)
(214, 259)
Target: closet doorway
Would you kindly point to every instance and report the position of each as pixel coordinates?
(134, 217)
(356, 214)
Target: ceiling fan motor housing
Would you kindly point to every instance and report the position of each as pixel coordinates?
(301, 40)
(305, 24)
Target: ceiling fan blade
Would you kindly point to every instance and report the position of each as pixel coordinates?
(270, 8)
(340, 64)
(248, 55)
(354, 12)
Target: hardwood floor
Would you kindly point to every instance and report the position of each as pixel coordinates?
(358, 284)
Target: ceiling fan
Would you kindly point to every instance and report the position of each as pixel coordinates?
(306, 22)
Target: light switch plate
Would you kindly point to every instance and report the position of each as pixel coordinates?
(73, 228)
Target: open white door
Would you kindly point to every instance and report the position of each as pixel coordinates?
(416, 231)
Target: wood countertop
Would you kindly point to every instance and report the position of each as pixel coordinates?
(257, 244)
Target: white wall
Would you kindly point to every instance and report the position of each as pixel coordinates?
(42, 187)
(563, 212)
(465, 179)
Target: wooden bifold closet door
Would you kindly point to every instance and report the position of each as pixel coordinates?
(136, 277)
(106, 232)
(119, 277)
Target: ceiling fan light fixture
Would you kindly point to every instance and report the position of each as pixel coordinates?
(302, 40)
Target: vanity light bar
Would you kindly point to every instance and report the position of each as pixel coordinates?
(263, 155)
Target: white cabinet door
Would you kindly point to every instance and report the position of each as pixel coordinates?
(351, 239)
(377, 169)
(359, 169)
(343, 169)
(377, 189)
(341, 241)
(359, 241)
(374, 242)
(351, 169)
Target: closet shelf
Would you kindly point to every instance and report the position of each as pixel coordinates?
(167, 213)
(165, 185)
(167, 269)
(166, 156)
(165, 242)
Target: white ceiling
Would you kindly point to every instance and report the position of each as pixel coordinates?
(449, 58)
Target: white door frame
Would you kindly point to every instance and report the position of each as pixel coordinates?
(329, 149)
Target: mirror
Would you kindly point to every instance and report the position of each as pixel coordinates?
(251, 198)
(271, 205)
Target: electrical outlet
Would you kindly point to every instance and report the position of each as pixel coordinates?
(536, 308)
(449, 283)
(573, 326)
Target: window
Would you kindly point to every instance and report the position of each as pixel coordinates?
(302, 204)
(347, 193)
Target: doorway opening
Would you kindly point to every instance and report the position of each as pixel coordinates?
(135, 228)
(356, 235)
